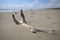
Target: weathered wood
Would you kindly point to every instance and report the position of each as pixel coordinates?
(24, 23)
(15, 19)
(23, 17)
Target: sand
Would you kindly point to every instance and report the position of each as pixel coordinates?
(41, 19)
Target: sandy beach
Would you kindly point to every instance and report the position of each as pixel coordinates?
(41, 19)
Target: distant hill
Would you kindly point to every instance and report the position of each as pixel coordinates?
(54, 8)
(50, 9)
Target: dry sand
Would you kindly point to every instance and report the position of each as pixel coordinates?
(42, 19)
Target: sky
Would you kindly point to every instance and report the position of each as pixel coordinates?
(29, 4)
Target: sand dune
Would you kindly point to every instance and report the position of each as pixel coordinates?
(41, 19)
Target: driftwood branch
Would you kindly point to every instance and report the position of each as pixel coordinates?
(24, 23)
(23, 17)
(15, 19)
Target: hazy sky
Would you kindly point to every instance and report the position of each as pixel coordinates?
(29, 4)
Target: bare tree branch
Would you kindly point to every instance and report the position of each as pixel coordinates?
(15, 19)
(23, 17)
(24, 23)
